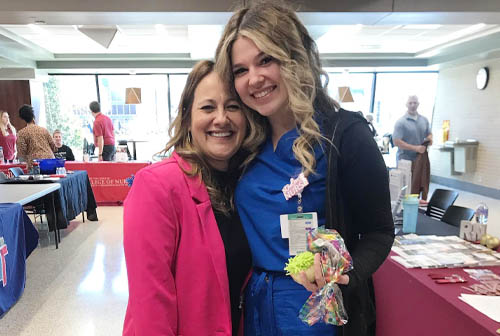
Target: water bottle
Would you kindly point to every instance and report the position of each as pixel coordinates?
(410, 213)
(481, 213)
(1, 155)
(36, 168)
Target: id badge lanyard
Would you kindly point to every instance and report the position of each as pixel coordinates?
(294, 227)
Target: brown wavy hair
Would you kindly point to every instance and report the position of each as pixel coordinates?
(276, 30)
(221, 197)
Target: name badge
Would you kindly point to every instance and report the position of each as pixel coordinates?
(295, 227)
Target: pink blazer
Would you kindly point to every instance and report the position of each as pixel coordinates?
(175, 256)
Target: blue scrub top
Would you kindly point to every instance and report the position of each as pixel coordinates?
(260, 201)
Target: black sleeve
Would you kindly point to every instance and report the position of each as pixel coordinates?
(69, 154)
(365, 189)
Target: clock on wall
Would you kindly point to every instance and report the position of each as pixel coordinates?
(482, 78)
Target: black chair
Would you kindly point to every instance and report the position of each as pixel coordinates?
(440, 200)
(455, 214)
(16, 171)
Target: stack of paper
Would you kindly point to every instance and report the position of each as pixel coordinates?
(435, 252)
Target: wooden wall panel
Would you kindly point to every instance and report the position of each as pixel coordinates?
(13, 94)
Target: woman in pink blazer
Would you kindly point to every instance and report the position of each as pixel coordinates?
(186, 252)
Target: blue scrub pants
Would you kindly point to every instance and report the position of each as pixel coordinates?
(272, 304)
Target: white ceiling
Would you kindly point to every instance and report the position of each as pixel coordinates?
(395, 39)
(165, 39)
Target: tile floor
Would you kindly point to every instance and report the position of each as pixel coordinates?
(81, 288)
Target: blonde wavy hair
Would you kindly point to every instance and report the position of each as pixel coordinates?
(4, 128)
(276, 30)
(221, 197)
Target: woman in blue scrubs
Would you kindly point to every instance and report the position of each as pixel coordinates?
(273, 64)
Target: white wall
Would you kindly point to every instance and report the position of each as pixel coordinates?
(472, 113)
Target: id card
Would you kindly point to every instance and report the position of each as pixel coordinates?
(294, 227)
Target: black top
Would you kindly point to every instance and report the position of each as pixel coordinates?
(64, 152)
(359, 208)
(238, 255)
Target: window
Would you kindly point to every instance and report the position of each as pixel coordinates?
(361, 86)
(177, 83)
(66, 101)
(392, 93)
(146, 122)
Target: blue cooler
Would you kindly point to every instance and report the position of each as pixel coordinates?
(48, 166)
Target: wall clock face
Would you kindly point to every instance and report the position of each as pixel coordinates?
(482, 78)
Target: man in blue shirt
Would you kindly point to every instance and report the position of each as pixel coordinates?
(411, 131)
(412, 135)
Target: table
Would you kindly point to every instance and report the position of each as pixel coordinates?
(108, 179)
(73, 198)
(429, 225)
(73, 195)
(26, 193)
(410, 303)
(18, 238)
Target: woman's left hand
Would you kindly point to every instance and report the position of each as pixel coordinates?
(319, 278)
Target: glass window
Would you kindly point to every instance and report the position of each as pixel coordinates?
(177, 83)
(392, 93)
(147, 122)
(361, 86)
(66, 100)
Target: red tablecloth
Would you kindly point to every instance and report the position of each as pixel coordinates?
(410, 303)
(4, 168)
(108, 179)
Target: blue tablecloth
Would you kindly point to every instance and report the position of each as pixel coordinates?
(18, 238)
(74, 197)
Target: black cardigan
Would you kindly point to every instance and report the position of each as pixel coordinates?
(358, 206)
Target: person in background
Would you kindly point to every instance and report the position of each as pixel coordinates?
(369, 118)
(7, 137)
(104, 133)
(273, 64)
(412, 135)
(33, 141)
(62, 151)
(186, 270)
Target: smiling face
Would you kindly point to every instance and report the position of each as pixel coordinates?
(58, 139)
(218, 125)
(258, 81)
